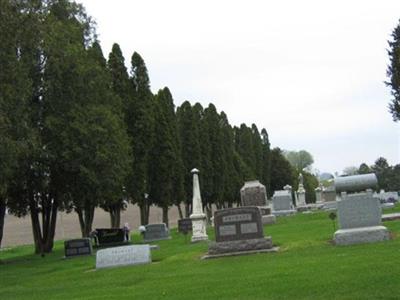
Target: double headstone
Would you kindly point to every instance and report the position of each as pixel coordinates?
(359, 218)
(156, 232)
(77, 247)
(123, 256)
(239, 230)
(254, 193)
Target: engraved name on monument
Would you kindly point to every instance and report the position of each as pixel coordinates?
(238, 224)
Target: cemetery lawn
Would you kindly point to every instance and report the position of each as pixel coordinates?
(307, 266)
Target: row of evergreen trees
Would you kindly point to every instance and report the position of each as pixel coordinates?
(79, 132)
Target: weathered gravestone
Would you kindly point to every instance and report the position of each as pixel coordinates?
(253, 193)
(185, 225)
(109, 236)
(123, 256)
(282, 203)
(156, 232)
(359, 220)
(77, 247)
(238, 231)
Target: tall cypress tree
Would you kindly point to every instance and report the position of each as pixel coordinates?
(393, 72)
(15, 93)
(140, 128)
(188, 129)
(266, 162)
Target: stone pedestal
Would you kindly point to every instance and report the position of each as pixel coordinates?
(199, 221)
(301, 196)
(318, 195)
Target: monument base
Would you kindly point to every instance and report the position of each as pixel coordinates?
(284, 212)
(199, 238)
(199, 228)
(331, 205)
(268, 219)
(361, 235)
(240, 245)
(390, 217)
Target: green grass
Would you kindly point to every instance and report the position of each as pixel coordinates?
(306, 267)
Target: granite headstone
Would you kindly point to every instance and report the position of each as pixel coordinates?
(253, 193)
(238, 230)
(156, 232)
(359, 218)
(77, 247)
(123, 256)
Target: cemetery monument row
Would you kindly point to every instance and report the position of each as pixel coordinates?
(239, 231)
(359, 214)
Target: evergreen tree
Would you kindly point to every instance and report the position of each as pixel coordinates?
(393, 72)
(266, 162)
(15, 93)
(281, 171)
(141, 130)
(188, 131)
(244, 141)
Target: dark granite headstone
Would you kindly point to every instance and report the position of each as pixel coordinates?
(239, 230)
(110, 236)
(156, 232)
(253, 193)
(77, 247)
(240, 223)
(185, 225)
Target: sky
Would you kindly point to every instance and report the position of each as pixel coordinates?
(311, 73)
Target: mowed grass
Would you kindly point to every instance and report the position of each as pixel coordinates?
(307, 266)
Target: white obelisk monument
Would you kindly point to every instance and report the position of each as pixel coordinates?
(197, 216)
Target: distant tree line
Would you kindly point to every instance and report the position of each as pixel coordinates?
(79, 131)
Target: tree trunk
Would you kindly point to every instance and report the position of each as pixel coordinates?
(180, 211)
(144, 213)
(2, 216)
(187, 210)
(209, 213)
(86, 217)
(43, 234)
(165, 216)
(115, 216)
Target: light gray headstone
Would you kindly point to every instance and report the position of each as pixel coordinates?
(282, 200)
(156, 232)
(358, 210)
(123, 256)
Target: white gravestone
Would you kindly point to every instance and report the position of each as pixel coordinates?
(198, 217)
(282, 203)
(123, 256)
(359, 217)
